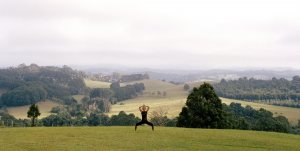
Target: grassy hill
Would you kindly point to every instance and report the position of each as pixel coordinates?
(78, 98)
(125, 138)
(175, 99)
(98, 84)
(44, 107)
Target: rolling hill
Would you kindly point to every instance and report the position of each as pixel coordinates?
(175, 100)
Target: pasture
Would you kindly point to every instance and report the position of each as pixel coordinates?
(125, 138)
(44, 107)
(78, 98)
(98, 84)
(175, 99)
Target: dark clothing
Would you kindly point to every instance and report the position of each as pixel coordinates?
(144, 115)
(144, 119)
(143, 122)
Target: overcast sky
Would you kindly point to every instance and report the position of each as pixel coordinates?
(154, 34)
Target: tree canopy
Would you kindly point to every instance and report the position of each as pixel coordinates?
(33, 83)
(203, 110)
(33, 113)
(186, 87)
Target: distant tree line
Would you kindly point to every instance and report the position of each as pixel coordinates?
(246, 118)
(66, 119)
(31, 84)
(280, 92)
(116, 93)
(134, 77)
(176, 83)
(118, 77)
(99, 99)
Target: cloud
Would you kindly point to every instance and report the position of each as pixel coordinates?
(164, 34)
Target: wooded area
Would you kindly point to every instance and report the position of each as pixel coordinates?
(31, 84)
(279, 92)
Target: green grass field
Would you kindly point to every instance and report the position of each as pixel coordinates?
(44, 107)
(78, 98)
(125, 138)
(98, 84)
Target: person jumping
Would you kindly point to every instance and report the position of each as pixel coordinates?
(144, 117)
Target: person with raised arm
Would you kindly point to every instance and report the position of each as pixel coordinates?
(144, 110)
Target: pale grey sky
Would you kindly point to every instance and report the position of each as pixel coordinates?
(154, 34)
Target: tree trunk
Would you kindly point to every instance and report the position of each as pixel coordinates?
(32, 124)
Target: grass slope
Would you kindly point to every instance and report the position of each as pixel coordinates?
(78, 98)
(44, 107)
(175, 99)
(98, 84)
(125, 138)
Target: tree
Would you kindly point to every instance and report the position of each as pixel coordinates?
(203, 110)
(147, 75)
(186, 87)
(122, 119)
(158, 116)
(165, 93)
(116, 76)
(114, 85)
(33, 113)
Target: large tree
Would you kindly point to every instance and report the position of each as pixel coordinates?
(203, 110)
(33, 113)
(186, 87)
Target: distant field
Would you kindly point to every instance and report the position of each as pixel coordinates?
(78, 98)
(175, 99)
(44, 107)
(98, 84)
(293, 114)
(125, 138)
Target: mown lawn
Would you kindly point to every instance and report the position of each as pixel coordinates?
(125, 138)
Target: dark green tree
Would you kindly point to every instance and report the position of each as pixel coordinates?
(114, 85)
(186, 87)
(203, 110)
(33, 113)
